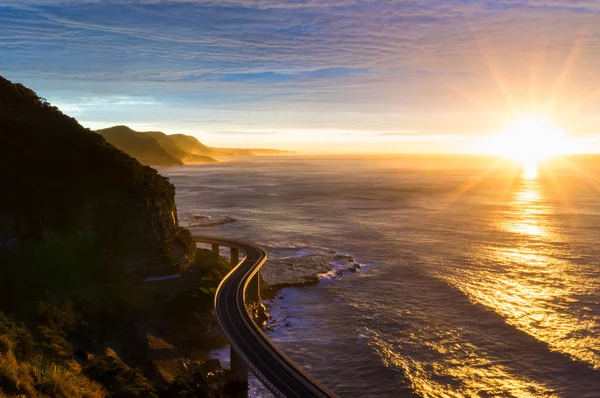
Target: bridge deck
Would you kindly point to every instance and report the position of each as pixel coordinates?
(271, 366)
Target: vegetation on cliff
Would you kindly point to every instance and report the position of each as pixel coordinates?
(120, 339)
(81, 225)
(76, 208)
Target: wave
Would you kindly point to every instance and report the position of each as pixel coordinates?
(306, 266)
(202, 220)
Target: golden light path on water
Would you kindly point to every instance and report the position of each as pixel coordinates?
(530, 169)
(528, 282)
(480, 376)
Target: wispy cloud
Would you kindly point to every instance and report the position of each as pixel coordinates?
(379, 65)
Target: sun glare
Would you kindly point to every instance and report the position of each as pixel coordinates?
(530, 169)
(530, 139)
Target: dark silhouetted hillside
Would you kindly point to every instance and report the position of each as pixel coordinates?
(74, 206)
(144, 147)
(81, 224)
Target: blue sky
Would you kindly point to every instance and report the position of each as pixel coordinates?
(339, 75)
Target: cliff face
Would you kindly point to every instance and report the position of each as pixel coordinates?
(73, 206)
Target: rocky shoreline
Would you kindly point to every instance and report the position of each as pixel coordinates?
(306, 270)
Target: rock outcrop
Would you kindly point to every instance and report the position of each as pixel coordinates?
(306, 270)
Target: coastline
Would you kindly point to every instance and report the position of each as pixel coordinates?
(288, 269)
(308, 267)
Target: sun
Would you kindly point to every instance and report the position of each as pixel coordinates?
(530, 139)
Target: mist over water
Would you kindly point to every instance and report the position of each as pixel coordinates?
(478, 282)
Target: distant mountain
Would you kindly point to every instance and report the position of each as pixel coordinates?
(156, 148)
(183, 147)
(190, 144)
(144, 147)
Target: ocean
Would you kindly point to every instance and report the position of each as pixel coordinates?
(478, 279)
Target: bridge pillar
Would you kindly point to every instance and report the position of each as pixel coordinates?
(235, 256)
(257, 283)
(239, 373)
(254, 288)
(215, 248)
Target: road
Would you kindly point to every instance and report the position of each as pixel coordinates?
(271, 366)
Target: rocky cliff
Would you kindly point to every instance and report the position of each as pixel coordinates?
(73, 206)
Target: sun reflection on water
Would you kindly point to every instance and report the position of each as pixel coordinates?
(527, 277)
(527, 210)
(530, 170)
(527, 281)
(478, 375)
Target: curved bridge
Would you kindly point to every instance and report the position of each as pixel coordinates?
(250, 347)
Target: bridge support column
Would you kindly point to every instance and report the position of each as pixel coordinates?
(235, 256)
(215, 248)
(254, 288)
(239, 374)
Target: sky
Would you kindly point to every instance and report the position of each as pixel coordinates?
(313, 75)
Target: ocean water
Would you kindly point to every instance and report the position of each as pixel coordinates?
(479, 279)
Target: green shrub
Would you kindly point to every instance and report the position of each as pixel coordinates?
(56, 322)
(22, 343)
(118, 379)
(182, 388)
(59, 381)
(15, 376)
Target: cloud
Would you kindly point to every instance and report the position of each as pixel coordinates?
(375, 64)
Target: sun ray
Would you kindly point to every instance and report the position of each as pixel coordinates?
(497, 78)
(474, 181)
(585, 99)
(560, 190)
(588, 178)
(567, 68)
